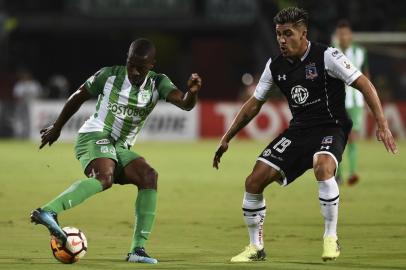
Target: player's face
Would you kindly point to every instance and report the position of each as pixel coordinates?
(291, 39)
(138, 67)
(344, 37)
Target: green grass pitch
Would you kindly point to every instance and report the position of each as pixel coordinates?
(199, 222)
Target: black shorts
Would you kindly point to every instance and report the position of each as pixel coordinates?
(291, 153)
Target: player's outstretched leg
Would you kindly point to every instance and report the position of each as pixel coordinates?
(74, 195)
(139, 173)
(329, 198)
(254, 210)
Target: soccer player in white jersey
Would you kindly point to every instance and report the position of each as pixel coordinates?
(312, 78)
(126, 96)
(354, 101)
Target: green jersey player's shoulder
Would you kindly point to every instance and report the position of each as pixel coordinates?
(163, 84)
(95, 84)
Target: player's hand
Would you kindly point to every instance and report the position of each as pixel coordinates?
(194, 83)
(384, 135)
(49, 135)
(222, 148)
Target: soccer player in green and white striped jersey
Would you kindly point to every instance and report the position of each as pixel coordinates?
(354, 100)
(126, 96)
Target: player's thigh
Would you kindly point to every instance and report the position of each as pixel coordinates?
(134, 169)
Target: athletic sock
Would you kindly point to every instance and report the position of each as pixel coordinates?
(329, 198)
(254, 210)
(74, 195)
(352, 156)
(145, 207)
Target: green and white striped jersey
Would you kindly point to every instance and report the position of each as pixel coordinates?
(358, 56)
(123, 108)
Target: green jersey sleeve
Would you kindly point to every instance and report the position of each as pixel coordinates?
(165, 86)
(94, 85)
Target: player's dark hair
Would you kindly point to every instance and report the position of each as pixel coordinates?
(343, 23)
(141, 47)
(293, 15)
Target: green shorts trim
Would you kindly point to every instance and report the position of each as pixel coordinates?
(92, 145)
(357, 116)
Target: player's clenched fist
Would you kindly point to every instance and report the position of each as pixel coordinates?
(49, 135)
(194, 83)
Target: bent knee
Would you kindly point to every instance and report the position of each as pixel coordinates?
(105, 178)
(323, 171)
(254, 184)
(149, 179)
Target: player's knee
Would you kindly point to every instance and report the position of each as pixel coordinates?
(150, 179)
(323, 171)
(253, 185)
(106, 179)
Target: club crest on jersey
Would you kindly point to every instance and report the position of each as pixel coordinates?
(311, 71)
(327, 140)
(299, 94)
(144, 96)
(347, 65)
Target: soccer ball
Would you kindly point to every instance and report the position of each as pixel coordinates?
(74, 249)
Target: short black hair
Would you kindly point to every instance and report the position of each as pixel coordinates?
(141, 47)
(293, 15)
(343, 23)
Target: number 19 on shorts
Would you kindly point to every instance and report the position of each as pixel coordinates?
(282, 145)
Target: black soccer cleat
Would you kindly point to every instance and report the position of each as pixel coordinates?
(140, 256)
(49, 220)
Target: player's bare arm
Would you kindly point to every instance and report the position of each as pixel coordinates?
(247, 112)
(186, 101)
(50, 134)
(383, 132)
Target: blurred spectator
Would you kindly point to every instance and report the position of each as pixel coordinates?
(57, 87)
(25, 90)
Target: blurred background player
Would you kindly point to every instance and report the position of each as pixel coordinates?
(354, 101)
(126, 96)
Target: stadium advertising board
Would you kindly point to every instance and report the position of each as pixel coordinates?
(166, 122)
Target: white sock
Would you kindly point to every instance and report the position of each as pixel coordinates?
(254, 209)
(329, 197)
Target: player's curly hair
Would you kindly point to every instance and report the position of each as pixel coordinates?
(293, 15)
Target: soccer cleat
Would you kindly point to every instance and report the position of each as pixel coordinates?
(331, 248)
(353, 179)
(140, 256)
(250, 254)
(49, 220)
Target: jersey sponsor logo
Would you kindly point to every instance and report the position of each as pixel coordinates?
(124, 111)
(327, 140)
(299, 94)
(282, 77)
(311, 71)
(103, 141)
